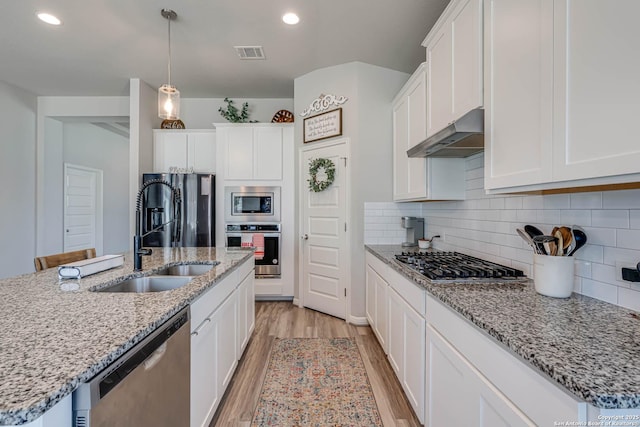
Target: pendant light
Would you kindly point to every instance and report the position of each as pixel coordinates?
(168, 95)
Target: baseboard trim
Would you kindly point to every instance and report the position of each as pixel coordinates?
(358, 320)
(273, 298)
(296, 302)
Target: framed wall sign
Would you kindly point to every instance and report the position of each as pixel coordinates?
(322, 126)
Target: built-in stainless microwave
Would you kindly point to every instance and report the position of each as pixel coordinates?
(252, 204)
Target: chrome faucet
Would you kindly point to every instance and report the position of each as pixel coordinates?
(138, 250)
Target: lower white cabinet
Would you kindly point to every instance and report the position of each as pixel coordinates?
(222, 320)
(376, 303)
(458, 395)
(406, 349)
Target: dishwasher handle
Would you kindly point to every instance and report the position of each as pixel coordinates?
(153, 360)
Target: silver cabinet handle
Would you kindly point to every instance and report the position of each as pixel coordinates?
(194, 333)
(305, 237)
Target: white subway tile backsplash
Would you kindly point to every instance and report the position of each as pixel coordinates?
(623, 199)
(611, 218)
(586, 200)
(485, 226)
(628, 239)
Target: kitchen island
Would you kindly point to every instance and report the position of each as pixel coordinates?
(585, 347)
(55, 335)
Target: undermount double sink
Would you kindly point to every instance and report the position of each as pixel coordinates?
(165, 279)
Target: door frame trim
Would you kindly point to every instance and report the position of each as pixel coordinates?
(99, 203)
(345, 141)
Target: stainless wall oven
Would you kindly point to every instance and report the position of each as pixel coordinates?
(252, 204)
(239, 235)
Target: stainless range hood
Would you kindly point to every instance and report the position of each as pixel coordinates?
(462, 138)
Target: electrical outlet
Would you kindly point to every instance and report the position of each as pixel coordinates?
(624, 264)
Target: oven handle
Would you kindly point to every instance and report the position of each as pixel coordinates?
(241, 233)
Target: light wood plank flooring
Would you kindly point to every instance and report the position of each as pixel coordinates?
(285, 320)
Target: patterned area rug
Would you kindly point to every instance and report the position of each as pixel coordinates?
(316, 382)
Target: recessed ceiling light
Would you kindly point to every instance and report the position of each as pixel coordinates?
(49, 19)
(290, 18)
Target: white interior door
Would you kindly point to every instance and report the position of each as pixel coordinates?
(324, 241)
(82, 208)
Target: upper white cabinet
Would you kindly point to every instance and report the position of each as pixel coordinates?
(454, 60)
(184, 149)
(252, 152)
(561, 93)
(420, 178)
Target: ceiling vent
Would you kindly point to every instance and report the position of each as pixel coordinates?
(250, 52)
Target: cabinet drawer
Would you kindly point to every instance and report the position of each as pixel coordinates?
(412, 293)
(376, 264)
(536, 396)
(246, 268)
(206, 303)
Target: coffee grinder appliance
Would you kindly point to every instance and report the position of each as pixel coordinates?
(415, 230)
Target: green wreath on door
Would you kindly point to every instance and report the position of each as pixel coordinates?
(321, 167)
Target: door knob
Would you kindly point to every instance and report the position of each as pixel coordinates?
(305, 237)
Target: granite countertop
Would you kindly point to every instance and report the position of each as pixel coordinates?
(588, 346)
(52, 339)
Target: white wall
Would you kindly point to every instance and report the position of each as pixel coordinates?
(484, 226)
(366, 121)
(91, 146)
(201, 113)
(17, 174)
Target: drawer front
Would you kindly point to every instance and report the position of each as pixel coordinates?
(206, 303)
(377, 264)
(246, 268)
(411, 292)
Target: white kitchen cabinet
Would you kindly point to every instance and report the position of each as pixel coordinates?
(216, 327)
(459, 395)
(246, 309)
(420, 178)
(376, 299)
(490, 378)
(519, 92)
(184, 150)
(252, 152)
(454, 60)
(406, 344)
(561, 94)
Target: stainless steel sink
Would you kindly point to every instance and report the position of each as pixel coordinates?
(148, 284)
(185, 270)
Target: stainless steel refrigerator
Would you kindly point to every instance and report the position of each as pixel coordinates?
(197, 226)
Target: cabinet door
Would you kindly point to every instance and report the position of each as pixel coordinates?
(396, 342)
(413, 377)
(169, 150)
(455, 384)
(267, 153)
(381, 293)
(416, 167)
(204, 365)
(518, 92)
(370, 296)
(466, 28)
(239, 153)
(246, 312)
(202, 152)
(597, 88)
(225, 320)
(439, 77)
(400, 144)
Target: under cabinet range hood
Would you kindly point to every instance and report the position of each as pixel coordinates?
(462, 138)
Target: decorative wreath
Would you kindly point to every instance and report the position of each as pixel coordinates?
(315, 166)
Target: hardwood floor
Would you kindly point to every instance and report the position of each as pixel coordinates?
(285, 320)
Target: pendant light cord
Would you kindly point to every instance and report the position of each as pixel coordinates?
(169, 66)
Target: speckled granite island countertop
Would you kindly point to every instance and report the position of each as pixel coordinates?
(590, 347)
(52, 340)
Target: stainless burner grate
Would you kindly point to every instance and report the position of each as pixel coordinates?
(453, 265)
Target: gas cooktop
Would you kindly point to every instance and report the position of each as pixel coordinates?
(441, 265)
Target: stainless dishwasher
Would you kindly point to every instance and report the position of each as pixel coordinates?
(147, 386)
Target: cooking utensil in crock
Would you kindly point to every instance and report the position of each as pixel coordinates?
(580, 238)
(543, 243)
(527, 239)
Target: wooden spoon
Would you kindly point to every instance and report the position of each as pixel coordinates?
(559, 250)
(567, 239)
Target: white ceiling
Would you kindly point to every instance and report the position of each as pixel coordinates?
(103, 43)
